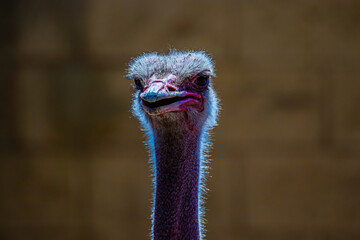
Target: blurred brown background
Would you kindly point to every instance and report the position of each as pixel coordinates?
(287, 151)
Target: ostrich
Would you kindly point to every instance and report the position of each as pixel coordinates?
(177, 107)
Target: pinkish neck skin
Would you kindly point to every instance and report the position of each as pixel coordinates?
(177, 154)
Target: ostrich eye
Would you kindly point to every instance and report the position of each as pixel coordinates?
(138, 83)
(202, 81)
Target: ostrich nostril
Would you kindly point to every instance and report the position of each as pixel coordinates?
(171, 88)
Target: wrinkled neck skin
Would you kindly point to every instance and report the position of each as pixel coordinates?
(177, 160)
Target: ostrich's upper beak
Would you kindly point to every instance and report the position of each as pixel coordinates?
(156, 91)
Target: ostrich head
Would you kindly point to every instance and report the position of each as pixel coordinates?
(174, 90)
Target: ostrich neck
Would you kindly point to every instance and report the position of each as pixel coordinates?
(177, 153)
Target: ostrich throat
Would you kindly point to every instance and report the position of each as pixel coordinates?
(177, 160)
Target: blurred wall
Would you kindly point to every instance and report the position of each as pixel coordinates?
(287, 151)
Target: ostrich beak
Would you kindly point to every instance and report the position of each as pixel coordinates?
(159, 97)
